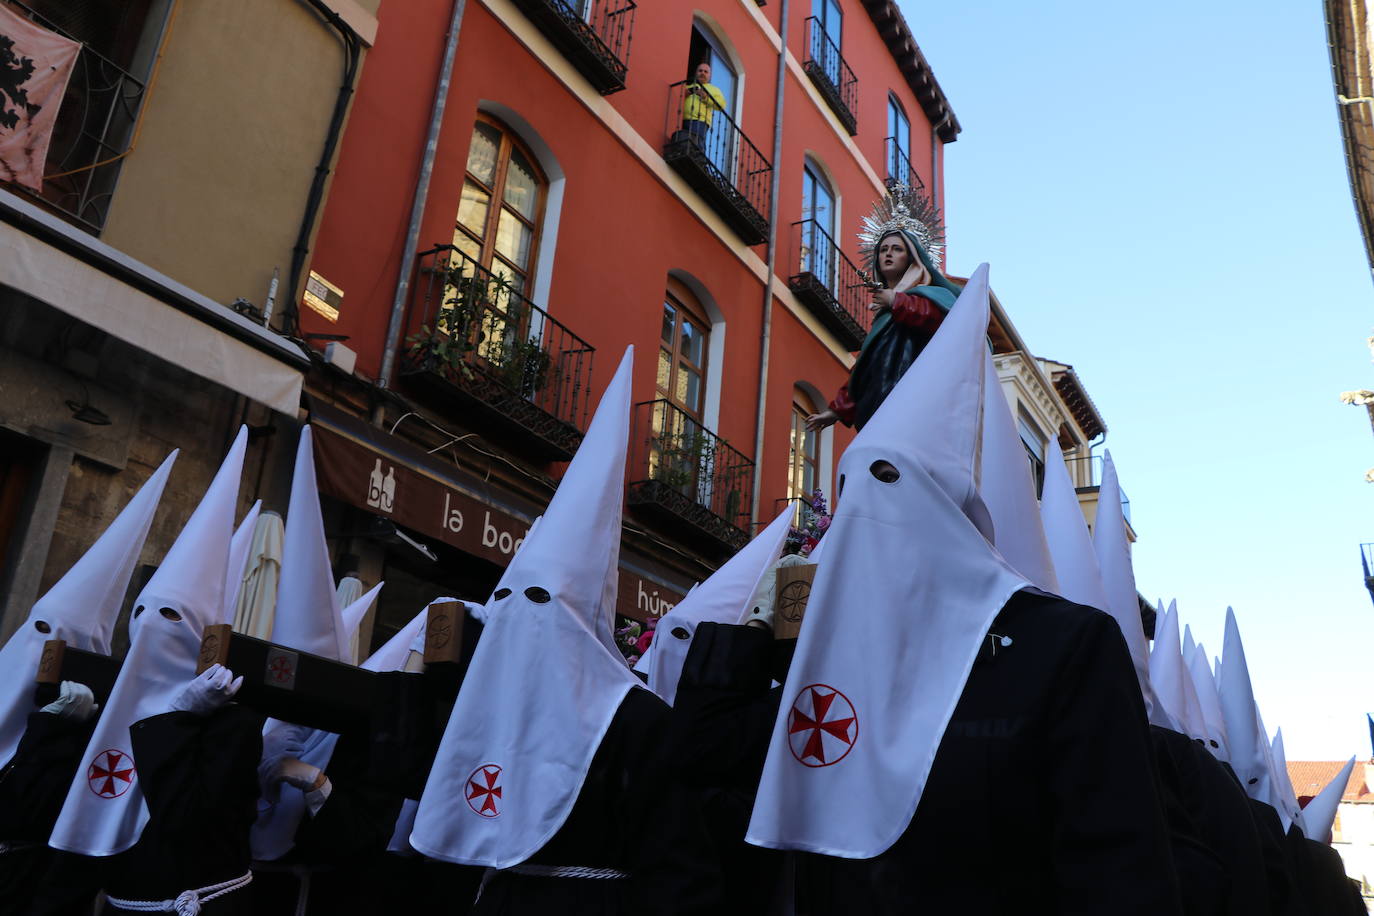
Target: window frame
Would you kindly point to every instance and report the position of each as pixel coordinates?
(686, 310)
(902, 138)
(798, 464)
(487, 255)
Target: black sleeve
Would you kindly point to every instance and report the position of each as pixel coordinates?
(181, 754)
(1202, 879)
(33, 785)
(672, 864)
(1110, 844)
(359, 815)
(724, 710)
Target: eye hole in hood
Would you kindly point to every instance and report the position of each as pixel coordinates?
(885, 471)
(538, 595)
(138, 610)
(501, 593)
(42, 626)
(680, 632)
(169, 613)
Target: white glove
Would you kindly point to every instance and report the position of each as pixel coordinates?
(297, 773)
(213, 688)
(765, 596)
(74, 701)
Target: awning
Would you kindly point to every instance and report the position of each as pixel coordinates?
(358, 464)
(71, 271)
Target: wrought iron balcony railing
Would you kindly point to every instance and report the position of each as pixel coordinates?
(1367, 561)
(1086, 474)
(91, 135)
(593, 34)
(478, 338)
(829, 284)
(899, 170)
(683, 472)
(832, 76)
(705, 145)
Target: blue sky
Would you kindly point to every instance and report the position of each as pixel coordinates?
(1161, 192)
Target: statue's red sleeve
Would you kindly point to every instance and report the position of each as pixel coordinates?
(843, 405)
(913, 311)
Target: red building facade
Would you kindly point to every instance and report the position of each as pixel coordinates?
(577, 203)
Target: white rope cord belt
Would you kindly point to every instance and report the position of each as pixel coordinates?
(187, 903)
(566, 871)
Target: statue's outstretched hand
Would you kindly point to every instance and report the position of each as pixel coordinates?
(818, 421)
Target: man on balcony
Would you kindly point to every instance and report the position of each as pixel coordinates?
(700, 103)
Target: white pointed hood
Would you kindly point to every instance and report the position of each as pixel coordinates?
(1189, 647)
(1118, 580)
(722, 598)
(899, 607)
(1166, 670)
(1008, 490)
(353, 615)
(81, 607)
(1284, 796)
(1066, 532)
(1205, 686)
(238, 559)
(1247, 745)
(1320, 814)
(546, 679)
(308, 616)
(104, 812)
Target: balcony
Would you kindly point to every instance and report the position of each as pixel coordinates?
(690, 479)
(475, 340)
(91, 135)
(829, 284)
(832, 76)
(899, 170)
(718, 161)
(594, 35)
(1086, 474)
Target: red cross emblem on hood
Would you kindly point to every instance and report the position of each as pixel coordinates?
(822, 726)
(484, 790)
(110, 774)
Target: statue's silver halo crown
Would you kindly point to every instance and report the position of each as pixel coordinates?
(908, 208)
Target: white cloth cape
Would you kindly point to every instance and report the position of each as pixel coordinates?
(546, 679)
(722, 598)
(900, 605)
(257, 599)
(104, 812)
(81, 607)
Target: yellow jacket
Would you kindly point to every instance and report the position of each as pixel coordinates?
(695, 108)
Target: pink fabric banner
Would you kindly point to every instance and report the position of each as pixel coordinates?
(35, 65)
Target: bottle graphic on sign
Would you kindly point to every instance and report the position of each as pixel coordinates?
(374, 486)
(388, 489)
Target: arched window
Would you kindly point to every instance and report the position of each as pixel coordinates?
(502, 207)
(682, 349)
(898, 144)
(819, 251)
(803, 471)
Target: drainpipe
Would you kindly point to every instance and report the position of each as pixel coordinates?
(765, 338)
(417, 204)
(353, 54)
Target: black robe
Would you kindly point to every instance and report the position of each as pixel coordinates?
(1284, 896)
(1042, 796)
(1333, 893)
(200, 780)
(630, 815)
(33, 787)
(1221, 812)
(722, 717)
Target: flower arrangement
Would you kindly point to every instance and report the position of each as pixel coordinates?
(634, 638)
(815, 521)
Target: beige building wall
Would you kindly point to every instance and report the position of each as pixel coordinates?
(214, 192)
